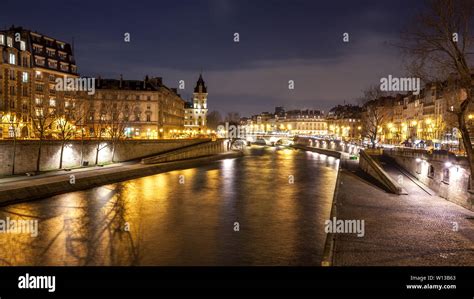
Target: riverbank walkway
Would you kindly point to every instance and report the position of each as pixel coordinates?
(60, 181)
(416, 229)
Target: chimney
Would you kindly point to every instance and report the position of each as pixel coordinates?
(145, 81)
(121, 81)
(98, 81)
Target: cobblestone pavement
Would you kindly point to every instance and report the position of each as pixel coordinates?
(400, 230)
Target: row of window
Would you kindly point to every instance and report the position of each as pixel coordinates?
(137, 117)
(12, 76)
(194, 123)
(12, 90)
(9, 42)
(190, 117)
(123, 97)
(193, 111)
(49, 42)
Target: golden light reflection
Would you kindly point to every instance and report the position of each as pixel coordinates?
(156, 220)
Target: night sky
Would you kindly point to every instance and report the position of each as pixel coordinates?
(279, 41)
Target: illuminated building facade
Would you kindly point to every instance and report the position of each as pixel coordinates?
(195, 119)
(145, 109)
(30, 63)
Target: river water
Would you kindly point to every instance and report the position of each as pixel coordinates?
(266, 208)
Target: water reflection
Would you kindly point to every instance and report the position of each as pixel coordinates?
(279, 197)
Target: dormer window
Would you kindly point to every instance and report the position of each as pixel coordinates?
(37, 48)
(52, 64)
(39, 61)
(51, 52)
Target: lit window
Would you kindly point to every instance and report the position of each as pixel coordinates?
(12, 59)
(9, 42)
(52, 102)
(2, 39)
(38, 101)
(25, 77)
(22, 46)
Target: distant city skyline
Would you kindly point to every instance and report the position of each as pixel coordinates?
(177, 39)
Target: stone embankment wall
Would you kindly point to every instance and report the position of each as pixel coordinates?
(27, 150)
(447, 175)
(201, 150)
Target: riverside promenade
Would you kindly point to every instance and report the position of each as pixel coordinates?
(416, 229)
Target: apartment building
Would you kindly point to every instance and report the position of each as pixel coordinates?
(30, 63)
(145, 109)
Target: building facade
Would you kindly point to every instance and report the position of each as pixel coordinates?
(195, 116)
(344, 122)
(30, 63)
(427, 118)
(144, 109)
(293, 122)
(304, 122)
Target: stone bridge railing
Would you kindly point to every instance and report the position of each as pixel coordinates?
(334, 145)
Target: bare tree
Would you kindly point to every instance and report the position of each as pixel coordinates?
(213, 119)
(233, 118)
(82, 110)
(97, 119)
(71, 115)
(110, 120)
(42, 122)
(373, 116)
(13, 122)
(118, 120)
(438, 43)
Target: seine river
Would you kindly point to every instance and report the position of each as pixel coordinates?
(266, 208)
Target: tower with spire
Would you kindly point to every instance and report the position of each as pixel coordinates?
(196, 111)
